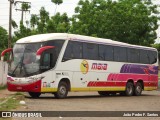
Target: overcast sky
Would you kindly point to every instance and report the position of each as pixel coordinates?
(67, 6)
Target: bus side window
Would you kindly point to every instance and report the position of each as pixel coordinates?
(144, 58)
(133, 55)
(101, 53)
(73, 51)
(90, 51)
(120, 54)
(105, 52)
(152, 57)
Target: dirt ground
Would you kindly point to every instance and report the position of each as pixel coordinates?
(91, 101)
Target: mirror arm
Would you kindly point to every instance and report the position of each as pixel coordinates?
(4, 52)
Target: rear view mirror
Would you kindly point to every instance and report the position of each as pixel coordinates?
(42, 49)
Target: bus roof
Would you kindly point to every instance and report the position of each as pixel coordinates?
(66, 36)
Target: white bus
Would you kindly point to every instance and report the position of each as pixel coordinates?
(59, 62)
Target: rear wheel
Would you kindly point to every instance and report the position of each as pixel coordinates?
(103, 93)
(129, 89)
(138, 89)
(62, 90)
(34, 94)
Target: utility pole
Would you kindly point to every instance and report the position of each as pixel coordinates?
(10, 22)
(22, 9)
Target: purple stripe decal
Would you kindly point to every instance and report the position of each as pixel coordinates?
(139, 69)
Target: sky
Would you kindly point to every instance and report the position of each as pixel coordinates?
(67, 6)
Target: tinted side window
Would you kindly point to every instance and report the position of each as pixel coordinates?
(152, 57)
(144, 57)
(120, 54)
(57, 43)
(77, 50)
(90, 51)
(133, 55)
(73, 51)
(105, 52)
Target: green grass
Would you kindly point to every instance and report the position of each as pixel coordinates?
(2, 99)
(3, 87)
(12, 103)
(19, 93)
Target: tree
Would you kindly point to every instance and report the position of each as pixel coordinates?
(34, 20)
(44, 17)
(58, 23)
(14, 24)
(57, 2)
(22, 32)
(24, 7)
(3, 39)
(130, 21)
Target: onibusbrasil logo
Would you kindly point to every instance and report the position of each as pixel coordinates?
(84, 66)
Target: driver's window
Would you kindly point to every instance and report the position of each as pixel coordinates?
(46, 63)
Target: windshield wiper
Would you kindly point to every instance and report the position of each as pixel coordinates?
(20, 63)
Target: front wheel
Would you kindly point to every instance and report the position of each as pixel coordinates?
(62, 90)
(129, 89)
(34, 94)
(138, 89)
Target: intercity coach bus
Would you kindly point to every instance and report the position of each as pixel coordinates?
(59, 62)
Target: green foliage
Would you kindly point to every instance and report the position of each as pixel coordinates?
(11, 102)
(44, 17)
(130, 21)
(42, 23)
(157, 46)
(3, 39)
(14, 24)
(22, 32)
(58, 2)
(25, 6)
(34, 20)
(58, 23)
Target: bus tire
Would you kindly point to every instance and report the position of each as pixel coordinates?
(62, 90)
(34, 94)
(103, 93)
(129, 89)
(138, 89)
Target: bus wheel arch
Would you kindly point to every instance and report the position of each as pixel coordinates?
(129, 91)
(67, 81)
(63, 88)
(138, 88)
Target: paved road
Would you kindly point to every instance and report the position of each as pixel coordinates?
(91, 101)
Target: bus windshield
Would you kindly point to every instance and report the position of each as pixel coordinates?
(24, 61)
